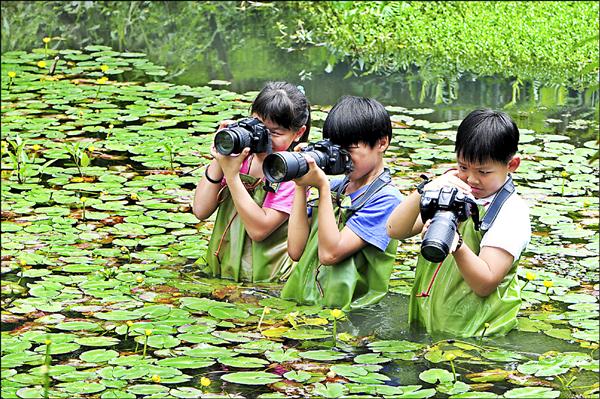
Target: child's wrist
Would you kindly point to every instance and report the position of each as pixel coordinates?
(209, 174)
(323, 186)
(230, 175)
(459, 244)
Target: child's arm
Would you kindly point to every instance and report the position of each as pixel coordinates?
(405, 221)
(334, 245)
(299, 226)
(205, 196)
(501, 245)
(485, 272)
(259, 222)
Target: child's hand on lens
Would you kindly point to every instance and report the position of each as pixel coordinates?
(448, 179)
(224, 124)
(454, 240)
(298, 147)
(315, 176)
(425, 227)
(231, 164)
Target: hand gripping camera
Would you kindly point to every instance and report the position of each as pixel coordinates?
(247, 132)
(445, 207)
(285, 166)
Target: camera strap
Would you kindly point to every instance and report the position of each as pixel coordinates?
(381, 181)
(494, 209)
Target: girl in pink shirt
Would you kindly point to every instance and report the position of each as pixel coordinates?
(248, 242)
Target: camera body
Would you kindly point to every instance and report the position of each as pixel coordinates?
(285, 166)
(247, 132)
(445, 207)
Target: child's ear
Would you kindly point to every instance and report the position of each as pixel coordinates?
(514, 163)
(299, 133)
(383, 143)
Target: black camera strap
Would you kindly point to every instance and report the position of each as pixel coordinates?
(381, 181)
(494, 209)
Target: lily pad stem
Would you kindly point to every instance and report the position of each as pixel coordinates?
(145, 347)
(453, 370)
(46, 370)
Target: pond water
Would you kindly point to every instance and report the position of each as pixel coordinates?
(101, 256)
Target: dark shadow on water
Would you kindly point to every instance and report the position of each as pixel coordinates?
(388, 320)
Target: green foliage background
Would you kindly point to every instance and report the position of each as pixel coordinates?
(553, 42)
(545, 40)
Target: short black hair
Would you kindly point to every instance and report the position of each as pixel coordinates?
(357, 119)
(284, 104)
(486, 135)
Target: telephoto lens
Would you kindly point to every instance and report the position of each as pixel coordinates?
(285, 166)
(232, 140)
(438, 237)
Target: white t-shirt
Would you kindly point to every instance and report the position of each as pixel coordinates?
(511, 230)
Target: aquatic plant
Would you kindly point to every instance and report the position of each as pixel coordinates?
(18, 155)
(46, 40)
(79, 154)
(336, 314)
(11, 76)
(438, 36)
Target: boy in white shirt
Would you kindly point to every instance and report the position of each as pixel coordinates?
(475, 290)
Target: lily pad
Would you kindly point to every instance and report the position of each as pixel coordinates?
(251, 378)
(532, 392)
(436, 375)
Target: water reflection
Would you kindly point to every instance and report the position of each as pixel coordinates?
(252, 60)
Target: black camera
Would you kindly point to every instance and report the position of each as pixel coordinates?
(445, 207)
(247, 132)
(285, 165)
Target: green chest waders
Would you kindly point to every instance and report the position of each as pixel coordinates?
(360, 280)
(443, 302)
(233, 255)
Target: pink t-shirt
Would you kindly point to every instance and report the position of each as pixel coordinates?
(282, 199)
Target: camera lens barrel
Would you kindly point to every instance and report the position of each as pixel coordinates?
(438, 237)
(232, 140)
(284, 166)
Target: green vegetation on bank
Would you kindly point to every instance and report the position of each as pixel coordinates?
(527, 40)
(555, 42)
(548, 42)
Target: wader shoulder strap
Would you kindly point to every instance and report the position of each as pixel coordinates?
(381, 181)
(490, 215)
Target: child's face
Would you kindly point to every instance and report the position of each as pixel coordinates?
(364, 159)
(281, 138)
(487, 177)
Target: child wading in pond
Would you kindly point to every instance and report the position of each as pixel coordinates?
(344, 255)
(476, 288)
(248, 242)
